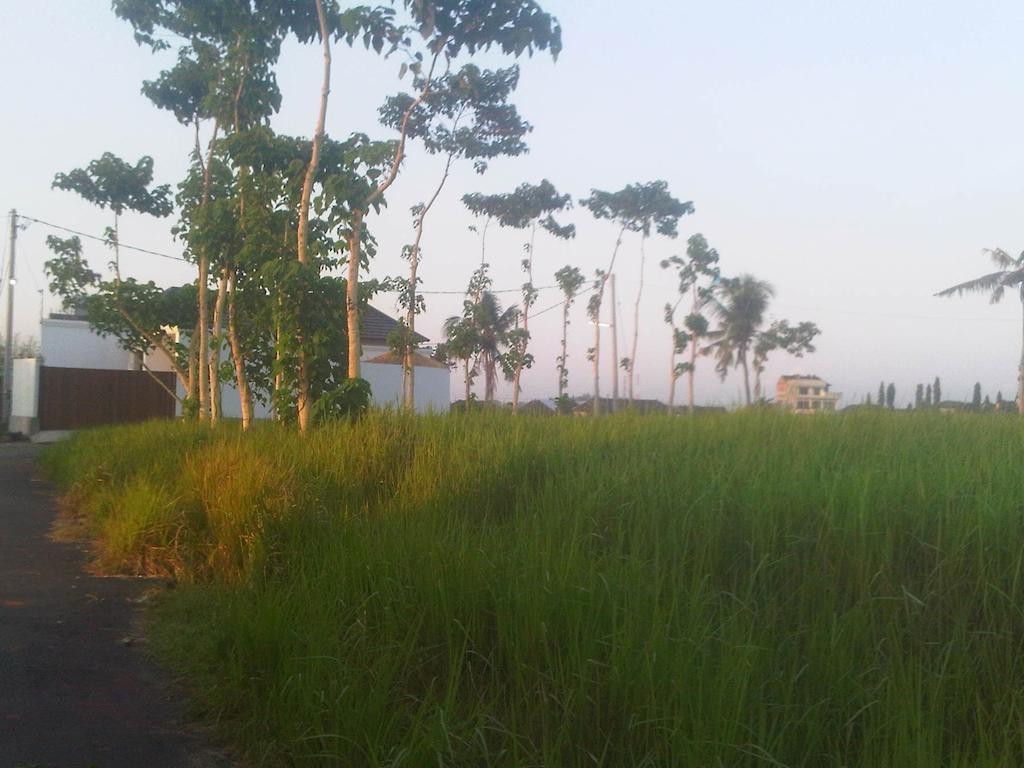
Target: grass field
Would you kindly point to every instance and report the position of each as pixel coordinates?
(738, 590)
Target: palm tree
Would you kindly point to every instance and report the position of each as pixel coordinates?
(739, 304)
(492, 326)
(1009, 275)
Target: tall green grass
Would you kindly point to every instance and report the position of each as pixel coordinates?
(736, 590)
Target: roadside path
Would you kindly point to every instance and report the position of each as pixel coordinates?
(75, 690)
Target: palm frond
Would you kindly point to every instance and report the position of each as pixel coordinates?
(983, 284)
(1002, 259)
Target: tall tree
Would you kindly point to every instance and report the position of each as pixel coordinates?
(976, 397)
(890, 396)
(570, 280)
(937, 391)
(111, 183)
(528, 207)
(796, 340)
(696, 273)
(449, 29)
(919, 396)
(460, 345)
(465, 115)
(1010, 274)
(928, 396)
(881, 393)
(634, 208)
(739, 304)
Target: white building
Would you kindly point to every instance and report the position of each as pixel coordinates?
(83, 379)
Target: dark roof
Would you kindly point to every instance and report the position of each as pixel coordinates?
(418, 360)
(376, 326)
(794, 376)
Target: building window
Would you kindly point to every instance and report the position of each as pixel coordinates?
(816, 405)
(801, 405)
(803, 390)
(817, 390)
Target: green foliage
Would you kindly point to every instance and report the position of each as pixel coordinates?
(639, 208)
(110, 182)
(526, 206)
(728, 590)
(464, 114)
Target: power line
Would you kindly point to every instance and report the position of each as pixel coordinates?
(103, 239)
(898, 315)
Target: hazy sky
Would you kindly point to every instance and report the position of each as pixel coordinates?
(857, 155)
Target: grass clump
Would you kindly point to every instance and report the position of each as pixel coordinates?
(737, 590)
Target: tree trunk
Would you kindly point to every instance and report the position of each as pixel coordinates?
(1020, 370)
(302, 245)
(202, 288)
(238, 356)
(597, 326)
(191, 389)
(562, 376)
(525, 343)
(217, 338)
(355, 238)
(693, 356)
(318, 137)
(408, 369)
(672, 373)
(746, 375)
(597, 358)
(352, 297)
(465, 379)
(636, 317)
(615, 352)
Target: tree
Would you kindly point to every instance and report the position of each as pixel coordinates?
(110, 182)
(928, 396)
(488, 325)
(634, 208)
(460, 345)
(976, 398)
(570, 280)
(937, 391)
(696, 275)
(532, 207)
(739, 304)
(449, 28)
(140, 316)
(919, 396)
(890, 396)
(795, 340)
(464, 116)
(493, 325)
(1010, 274)
(881, 393)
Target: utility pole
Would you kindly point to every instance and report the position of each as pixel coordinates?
(615, 353)
(5, 401)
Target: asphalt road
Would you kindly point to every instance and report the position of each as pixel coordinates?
(77, 688)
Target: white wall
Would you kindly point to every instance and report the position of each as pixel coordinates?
(432, 386)
(25, 388)
(72, 344)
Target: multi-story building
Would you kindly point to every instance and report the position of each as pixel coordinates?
(806, 394)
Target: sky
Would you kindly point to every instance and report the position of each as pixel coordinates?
(858, 156)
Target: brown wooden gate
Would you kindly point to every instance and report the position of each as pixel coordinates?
(75, 398)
